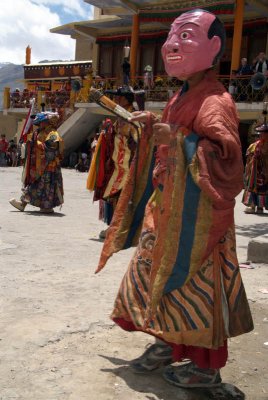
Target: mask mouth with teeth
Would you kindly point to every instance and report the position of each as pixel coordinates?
(195, 43)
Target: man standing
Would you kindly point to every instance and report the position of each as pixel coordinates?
(3, 150)
(183, 284)
(245, 68)
(261, 64)
(42, 178)
(243, 82)
(126, 71)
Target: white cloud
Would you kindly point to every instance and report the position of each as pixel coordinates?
(69, 6)
(27, 22)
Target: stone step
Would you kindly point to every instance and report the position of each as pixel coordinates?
(258, 249)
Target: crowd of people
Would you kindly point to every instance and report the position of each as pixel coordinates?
(81, 158)
(10, 152)
(259, 64)
(249, 78)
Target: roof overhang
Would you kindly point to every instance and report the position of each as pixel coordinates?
(259, 8)
(107, 26)
(57, 63)
(155, 14)
(115, 7)
(92, 27)
(137, 6)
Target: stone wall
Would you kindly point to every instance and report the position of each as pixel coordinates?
(9, 125)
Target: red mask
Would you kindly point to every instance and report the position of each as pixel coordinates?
(188, 49)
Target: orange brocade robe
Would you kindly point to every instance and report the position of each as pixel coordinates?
(183, 284)
(121, 158)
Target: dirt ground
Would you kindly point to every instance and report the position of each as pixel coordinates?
(56, 339)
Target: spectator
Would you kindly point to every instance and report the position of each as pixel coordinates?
(94, 141)
(82, 165)
(148, 77)
(261, 65)
(245, 68)
(12, 154)
(15, 98)
(3, 150)
(242, 84)
(126, 71)
(73, 159)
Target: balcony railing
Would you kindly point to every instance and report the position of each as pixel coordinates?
(51, 99)
(240, 87)
(242, 90)
(160, 88)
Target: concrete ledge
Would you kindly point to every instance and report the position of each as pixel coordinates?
(258, 249)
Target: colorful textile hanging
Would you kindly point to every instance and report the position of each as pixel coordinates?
(172, 11)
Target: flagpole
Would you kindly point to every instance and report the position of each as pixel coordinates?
(28, 121)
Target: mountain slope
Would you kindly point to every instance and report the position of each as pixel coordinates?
(11, 75)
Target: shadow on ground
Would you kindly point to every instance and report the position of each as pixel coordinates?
(154, 383)
(97, 240)
(41, 214)
(252, 230)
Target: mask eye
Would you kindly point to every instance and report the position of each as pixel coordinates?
(184, 35)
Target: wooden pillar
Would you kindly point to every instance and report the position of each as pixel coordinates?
(237, 37)
(6, 98)
(28, 55)
(72, 99)
(134, 46)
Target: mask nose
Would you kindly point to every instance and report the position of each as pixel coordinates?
(172, 44)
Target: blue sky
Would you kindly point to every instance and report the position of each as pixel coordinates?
(27, 22)
(68, 11)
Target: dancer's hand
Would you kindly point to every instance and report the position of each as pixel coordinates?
(139, 116)
(161, 133)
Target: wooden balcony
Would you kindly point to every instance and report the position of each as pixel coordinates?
(160, 88)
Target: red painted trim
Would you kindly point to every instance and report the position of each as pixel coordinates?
(148, 35)
(202, 357)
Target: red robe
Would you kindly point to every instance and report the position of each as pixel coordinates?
(183, 284)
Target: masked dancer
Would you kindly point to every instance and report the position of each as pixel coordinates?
(42, 178)
(112, 157)
(183, 284)
(255, 195)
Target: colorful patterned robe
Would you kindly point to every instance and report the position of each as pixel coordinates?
(256, 176)
(111, 159)
(42, 178)
(183, 284)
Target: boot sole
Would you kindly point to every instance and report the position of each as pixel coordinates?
(144, 370)
(17, 208)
